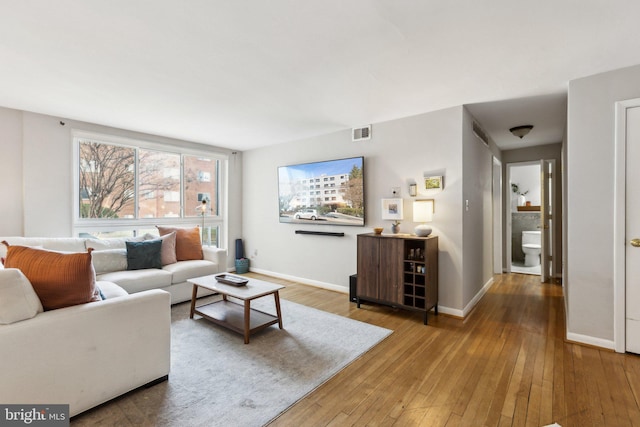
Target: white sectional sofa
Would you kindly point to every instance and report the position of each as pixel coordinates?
(86, 354)
(110, 263)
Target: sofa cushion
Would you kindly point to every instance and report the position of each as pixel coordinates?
(168, 253)
(60, 280)
(138, 280)
(18, 300)
(63, 244)
(184, 270)
(112, 242)
(58, 244)
(19, 241)
(110, 289)
(109, 260)
(188, 245)
(141, 255)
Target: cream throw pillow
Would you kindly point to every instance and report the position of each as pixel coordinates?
(168, 252)
(109, 260)
(18, 300)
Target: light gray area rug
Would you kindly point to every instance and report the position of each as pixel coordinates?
(217, 380)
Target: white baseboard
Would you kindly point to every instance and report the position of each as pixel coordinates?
(450, 311)
(588, 340)
(316, 283)
(476, 299)
(465, 312)
(342, 289)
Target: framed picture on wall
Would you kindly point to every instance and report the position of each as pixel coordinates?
(433, 182)
(392, 209)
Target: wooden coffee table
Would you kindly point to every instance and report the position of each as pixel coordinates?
(240, 318)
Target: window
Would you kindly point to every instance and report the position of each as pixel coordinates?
(194, 187)
(172, 196)
(128, 187)
(107, 180)
(204, 176)
(170, 172)
(158, 172)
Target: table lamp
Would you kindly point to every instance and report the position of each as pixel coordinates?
(423, 213)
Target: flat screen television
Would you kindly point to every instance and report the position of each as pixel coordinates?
(329, 192)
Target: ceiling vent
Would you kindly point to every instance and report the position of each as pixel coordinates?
(360, 134)
(477, 130)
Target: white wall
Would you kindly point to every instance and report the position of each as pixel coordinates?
(11, 184)
(48, 176)
(37, 151)
(477, 215)
(590, 204)
(400, 151)
(528, 179)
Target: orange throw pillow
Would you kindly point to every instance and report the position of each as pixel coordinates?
(188, 245)
(60, 280)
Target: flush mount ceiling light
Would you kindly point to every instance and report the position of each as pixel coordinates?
(521, 131)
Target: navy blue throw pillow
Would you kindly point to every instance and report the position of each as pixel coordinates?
(145, 254)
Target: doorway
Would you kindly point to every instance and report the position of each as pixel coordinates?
(530, 218)
(524, 218)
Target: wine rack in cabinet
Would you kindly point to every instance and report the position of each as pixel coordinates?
(398, 270)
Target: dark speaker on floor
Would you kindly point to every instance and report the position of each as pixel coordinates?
(239, 249)
(353, 281)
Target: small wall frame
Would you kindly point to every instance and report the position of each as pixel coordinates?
(392, 209)
(433, 183)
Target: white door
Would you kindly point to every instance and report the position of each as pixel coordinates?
(544, 223)
(546, 218)
(632, 231)
(497, 216)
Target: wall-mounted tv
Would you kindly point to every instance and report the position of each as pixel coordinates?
(328, 192)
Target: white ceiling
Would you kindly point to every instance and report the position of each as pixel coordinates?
(249, 73)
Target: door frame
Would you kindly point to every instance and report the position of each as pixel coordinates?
(619, 223)
(507, 209)
(548, 218)
(545, 202)
(497, 190)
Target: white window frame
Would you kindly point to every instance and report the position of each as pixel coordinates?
(89, 225)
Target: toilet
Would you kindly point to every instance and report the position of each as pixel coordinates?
(531, 241)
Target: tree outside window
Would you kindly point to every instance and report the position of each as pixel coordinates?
(107, 180)
(167, 182)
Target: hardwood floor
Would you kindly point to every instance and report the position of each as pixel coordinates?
(506, 364)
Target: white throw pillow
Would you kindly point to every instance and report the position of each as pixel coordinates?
(109, 260)
(18, 300)
(112, 242)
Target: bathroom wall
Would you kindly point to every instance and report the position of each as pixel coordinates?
(522, 221)
(528, 179)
